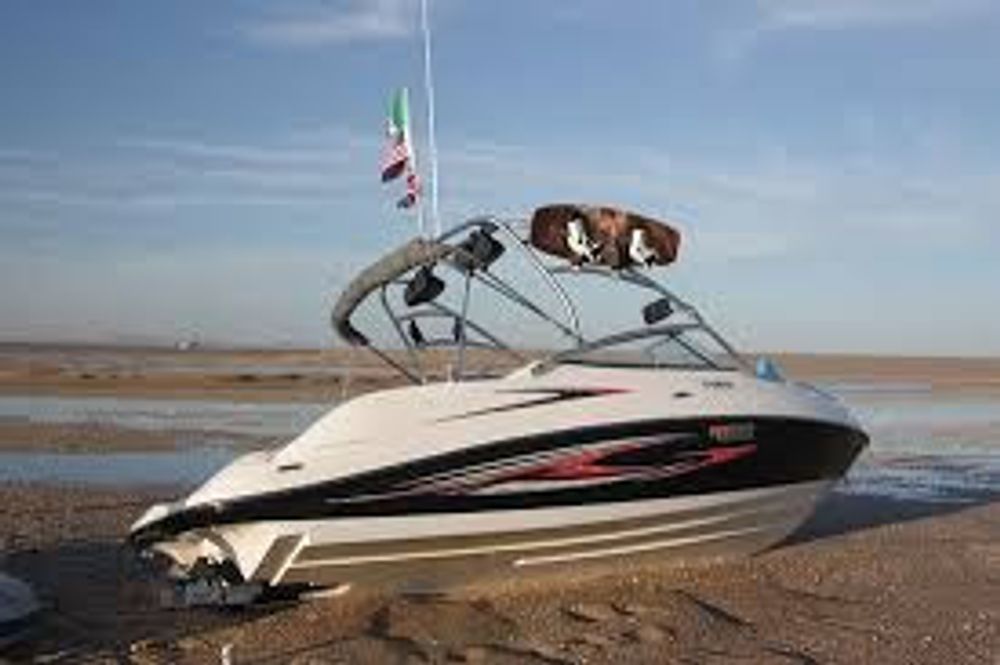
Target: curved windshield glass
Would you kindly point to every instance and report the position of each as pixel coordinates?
(680, 347)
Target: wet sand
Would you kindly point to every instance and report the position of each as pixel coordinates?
(866, 580)
(22, 434)
(222, 374)
(980, 375)
(330, 374)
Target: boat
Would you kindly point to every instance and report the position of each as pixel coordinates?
(511, 453)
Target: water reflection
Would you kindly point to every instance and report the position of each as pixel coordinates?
(262, 419)
(187, 467)
(925, 445)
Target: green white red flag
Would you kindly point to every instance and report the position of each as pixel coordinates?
(398, 150)
(398, 157)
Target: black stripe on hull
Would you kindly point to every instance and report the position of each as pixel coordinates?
(787, 451)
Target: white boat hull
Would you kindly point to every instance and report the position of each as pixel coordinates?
(580, 466)
(444, 551)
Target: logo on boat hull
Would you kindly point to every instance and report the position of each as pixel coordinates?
(731, 432)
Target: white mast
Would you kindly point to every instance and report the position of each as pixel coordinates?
(408, 133)
(431, 141)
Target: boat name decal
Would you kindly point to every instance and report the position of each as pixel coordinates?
(717, 384)
(731, 432)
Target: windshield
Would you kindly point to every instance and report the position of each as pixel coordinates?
(679, 347)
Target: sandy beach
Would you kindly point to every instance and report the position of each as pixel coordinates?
(866, 580)
(882, 573)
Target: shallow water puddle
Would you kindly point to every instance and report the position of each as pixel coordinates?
(907, 421)
(187, 467)
(261, 419)
(925, 446)
(933, 478)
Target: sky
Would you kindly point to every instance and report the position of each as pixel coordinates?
(195, 169)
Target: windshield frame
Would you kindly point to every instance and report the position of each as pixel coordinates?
(666, 333)
(444, 251)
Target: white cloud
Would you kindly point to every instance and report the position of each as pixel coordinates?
(154, 201)
(791, 204)
(151, 174)
(748, 244)
(17, 156)
(215, 293)
(336, 150)
(752, 205)
(774, 17)
(835, 14)
(359, 20)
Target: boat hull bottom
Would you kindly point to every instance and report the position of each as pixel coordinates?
(425, 554)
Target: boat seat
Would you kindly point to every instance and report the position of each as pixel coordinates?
(657, 311)
(424, 287)
(478, 251)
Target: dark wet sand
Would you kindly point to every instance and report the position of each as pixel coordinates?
(22, 434)
(865, 581)
(220, 374)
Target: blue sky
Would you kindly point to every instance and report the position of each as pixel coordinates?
(169, 169)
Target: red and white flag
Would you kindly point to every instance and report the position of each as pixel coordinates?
(398, 153)
(413, 190)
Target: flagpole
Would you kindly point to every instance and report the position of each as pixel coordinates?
(431, 140)
(413, 165)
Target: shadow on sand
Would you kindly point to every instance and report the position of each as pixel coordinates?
(845, 512)
(99, 604)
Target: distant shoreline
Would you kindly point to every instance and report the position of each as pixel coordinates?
(336, 373)
(280, 349)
